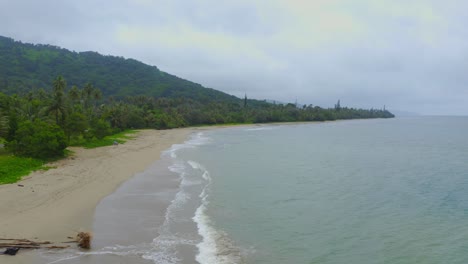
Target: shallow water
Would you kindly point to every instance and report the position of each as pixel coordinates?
(367, 191)
(362, 191)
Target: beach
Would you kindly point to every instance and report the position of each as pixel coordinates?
(55, 204)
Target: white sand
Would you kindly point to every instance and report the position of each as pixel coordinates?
(57, 203)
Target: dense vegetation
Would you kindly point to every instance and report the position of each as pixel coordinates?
(26, 67)
(41, 116)
(42, 124)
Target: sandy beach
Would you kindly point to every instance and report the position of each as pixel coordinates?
(54, 204)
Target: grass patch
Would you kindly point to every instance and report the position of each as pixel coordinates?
(121, 138)
(12, 168)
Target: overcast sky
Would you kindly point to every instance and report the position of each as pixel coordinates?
(410, 55)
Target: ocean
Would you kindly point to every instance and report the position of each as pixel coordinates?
(354, 192)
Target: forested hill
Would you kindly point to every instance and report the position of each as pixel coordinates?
(25, 67)
(87, 96)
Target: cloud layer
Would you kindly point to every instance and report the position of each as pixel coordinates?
(408, 55)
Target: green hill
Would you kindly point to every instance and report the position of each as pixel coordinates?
(25, 67)
(123, 94)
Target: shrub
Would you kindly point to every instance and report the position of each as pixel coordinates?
(101, 129)
(38, 139)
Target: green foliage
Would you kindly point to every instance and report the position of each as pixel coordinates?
(12, 168)
(38, 139)
(109, 140)
(4, 122)
(3, 125)
(12, 126)
(75, 124)
(24, 67)
(58, 107)
(102, 129)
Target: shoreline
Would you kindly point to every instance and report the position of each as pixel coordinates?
(55, 204)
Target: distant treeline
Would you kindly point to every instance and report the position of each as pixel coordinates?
(42, 123)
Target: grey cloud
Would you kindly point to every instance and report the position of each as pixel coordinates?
(399, 61)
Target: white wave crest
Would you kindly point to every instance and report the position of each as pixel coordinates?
(260, 128)
(195, 140)
(215, 247)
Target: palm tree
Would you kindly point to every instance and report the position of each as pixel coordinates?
(74, 99)
(74, 94)
(87, 92)
(3, 125)
(118, 115)
(58, 106)
(30, 110)
(97, 94)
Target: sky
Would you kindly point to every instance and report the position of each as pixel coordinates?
(409, 55)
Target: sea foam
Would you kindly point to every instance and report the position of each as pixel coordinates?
(164, 246)
(195, 140)
(215, 247)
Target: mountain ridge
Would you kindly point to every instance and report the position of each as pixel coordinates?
(26, 66)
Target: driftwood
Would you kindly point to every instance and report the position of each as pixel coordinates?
(71, 241)
(27, 244)
(24, 243)
(21, 246)
(17, 239)
(83, 240)
(57, 247)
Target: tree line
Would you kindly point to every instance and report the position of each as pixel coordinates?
(43, 123)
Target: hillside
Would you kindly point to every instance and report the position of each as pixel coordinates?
(24, 67)
(124, 94)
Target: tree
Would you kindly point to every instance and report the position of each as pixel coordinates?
(76, 124)
(87, 93)
(30, 109)
(117, 114)
(38, 139)
(338, 106)
(97, 94)
(101, 129)
(3, 125)
(74, 94)
(58, 107)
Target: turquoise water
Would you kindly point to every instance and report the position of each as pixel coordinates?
(370, 191)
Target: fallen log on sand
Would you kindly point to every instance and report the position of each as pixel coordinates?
(22, 243)
(12, 245)
(83, 240)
